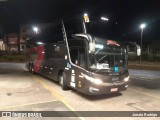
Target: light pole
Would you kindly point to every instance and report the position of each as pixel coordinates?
(142, 26)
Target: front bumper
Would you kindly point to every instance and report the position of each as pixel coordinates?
(106, 88)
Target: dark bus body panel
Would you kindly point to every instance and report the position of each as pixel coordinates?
(72, 58)
(49, 65)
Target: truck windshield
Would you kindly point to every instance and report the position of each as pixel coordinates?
(107, 57)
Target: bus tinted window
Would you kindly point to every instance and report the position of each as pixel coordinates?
(77, 52)
(53, 34)
(73, 26)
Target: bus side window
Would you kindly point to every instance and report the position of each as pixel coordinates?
(74, 55)
(73, 26)
(54, 34)
(81, 57)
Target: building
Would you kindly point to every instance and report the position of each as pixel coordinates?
(29, 30)
(12, 42)
(17, 42)
(2, 45)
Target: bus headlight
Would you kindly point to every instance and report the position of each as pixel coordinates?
(126, 79)
(93, 80)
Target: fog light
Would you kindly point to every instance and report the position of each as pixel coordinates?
(92, 89)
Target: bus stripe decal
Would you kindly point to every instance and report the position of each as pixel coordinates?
(40, 58)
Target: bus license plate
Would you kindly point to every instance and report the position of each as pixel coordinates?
(114, 89)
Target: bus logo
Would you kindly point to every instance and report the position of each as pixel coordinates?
(111, 42)
(115, 79)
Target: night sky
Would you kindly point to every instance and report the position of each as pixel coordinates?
(125, 15)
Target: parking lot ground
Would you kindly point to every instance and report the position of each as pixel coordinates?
(22, 91)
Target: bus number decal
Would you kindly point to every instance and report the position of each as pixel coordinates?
(68, 65)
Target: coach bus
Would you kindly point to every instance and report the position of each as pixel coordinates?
(73, 53)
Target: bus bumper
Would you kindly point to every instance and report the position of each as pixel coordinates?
(106, 89)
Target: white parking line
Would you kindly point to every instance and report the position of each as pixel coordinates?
(26, 69)
(61, 98)
(146, 78)
(22, 105)
(144, 93)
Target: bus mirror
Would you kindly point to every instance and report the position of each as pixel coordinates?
(92, 47)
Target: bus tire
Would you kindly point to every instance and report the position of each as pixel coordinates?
(30, 65)
(32, 68)
(62, 81)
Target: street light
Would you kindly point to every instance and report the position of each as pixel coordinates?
(85, 14)
(104, 18)
(35, 29)
(142, 26)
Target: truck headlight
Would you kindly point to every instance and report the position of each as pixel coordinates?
(126, 79)
(93, 80)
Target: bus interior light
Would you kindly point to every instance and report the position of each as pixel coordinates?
(39, 43)
(104, 18)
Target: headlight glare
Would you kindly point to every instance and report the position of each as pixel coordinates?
(93, 80)
(126, 79)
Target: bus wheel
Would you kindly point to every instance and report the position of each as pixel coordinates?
(62, 81)
(32, 68)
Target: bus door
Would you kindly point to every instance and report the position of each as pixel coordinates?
(78, 64)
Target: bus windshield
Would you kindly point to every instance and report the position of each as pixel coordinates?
(106, 57)
(101, 28)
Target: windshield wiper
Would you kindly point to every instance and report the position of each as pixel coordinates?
(97, 51)
(102, 58)
(102, 69)
(98, 70)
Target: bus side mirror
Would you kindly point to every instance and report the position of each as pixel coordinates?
(92, 44)
(92, 47)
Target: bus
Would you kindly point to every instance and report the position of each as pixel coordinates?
(75, 53)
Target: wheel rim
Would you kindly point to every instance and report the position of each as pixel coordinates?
(32, 69)
(61, 80)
